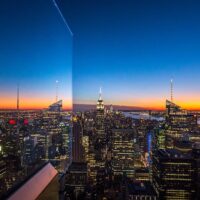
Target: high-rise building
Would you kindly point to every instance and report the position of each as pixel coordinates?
(178, 123)
(122, 160)
(173, 175)
(100, 129)
(196, 157)
(56, 107)
(159, 138)
(77, 147)
(97, 144)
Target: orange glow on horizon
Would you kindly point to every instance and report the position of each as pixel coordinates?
(32, 104)
(149, 104)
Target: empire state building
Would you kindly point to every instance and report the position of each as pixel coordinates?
(100, 117)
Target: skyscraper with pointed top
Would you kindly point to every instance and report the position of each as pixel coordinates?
(100, 117)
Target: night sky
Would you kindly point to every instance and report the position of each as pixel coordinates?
(35, 51)
(133, 48)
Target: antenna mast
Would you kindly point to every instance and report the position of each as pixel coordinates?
(172, 90)
(56, 90)
(18, 97)
(100, 93)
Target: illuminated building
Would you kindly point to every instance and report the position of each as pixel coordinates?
(173, 175)
(97, 144)
(66, 140)
(140, 191)
(56, 107)
(100, 130)
(142, 174)
(28, 151)
(178, 121)
(196, 157)
(123, 152)
(85, 144)
(159, 138)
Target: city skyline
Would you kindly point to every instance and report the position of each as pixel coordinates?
(100, 99)
(38, 104)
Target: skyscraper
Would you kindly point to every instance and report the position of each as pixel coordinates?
(123, 152)
(100, 117)
(98, 147)
(178, 123)
(77, 148)
(173, 175)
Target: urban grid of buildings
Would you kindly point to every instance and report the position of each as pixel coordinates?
(101, 153)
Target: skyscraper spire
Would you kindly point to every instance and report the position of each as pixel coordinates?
(100, 93)
(18, 97)
(56, 90)
(172, 85)
(100, 104)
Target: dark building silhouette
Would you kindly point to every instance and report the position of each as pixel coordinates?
(77, 147)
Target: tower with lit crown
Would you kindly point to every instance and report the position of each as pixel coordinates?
(100, 104)
(97, 151)
(100, 117)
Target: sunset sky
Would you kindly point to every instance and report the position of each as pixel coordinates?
(133, 48)
(35, 51)
(130, 48)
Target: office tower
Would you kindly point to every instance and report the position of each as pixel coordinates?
(123, 152)
(159, 139)
(178, 123)
(76, 176)
(56, 107)
(141, 132)
(196, 157)
(66, 140)
(173, 175)
(28, 151)
(77, 148)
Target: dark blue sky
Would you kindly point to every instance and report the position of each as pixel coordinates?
(35, 50)
(132, 48)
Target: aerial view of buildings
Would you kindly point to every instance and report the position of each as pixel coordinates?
(99, 100)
